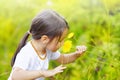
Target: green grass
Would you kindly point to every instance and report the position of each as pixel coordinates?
(95, 24)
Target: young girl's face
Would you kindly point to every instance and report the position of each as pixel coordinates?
(55, 44)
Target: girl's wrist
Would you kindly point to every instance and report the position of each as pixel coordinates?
(42, 73)
(77, 54)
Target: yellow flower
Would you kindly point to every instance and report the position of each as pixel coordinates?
(70, 35)
(67, 46)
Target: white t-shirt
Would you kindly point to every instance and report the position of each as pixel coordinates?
(28, 59)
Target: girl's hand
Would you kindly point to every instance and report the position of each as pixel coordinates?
(80, 50)
(53, 72)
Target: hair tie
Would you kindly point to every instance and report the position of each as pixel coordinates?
(29, 32)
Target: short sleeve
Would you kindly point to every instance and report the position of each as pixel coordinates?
(55, 55)
(22, 60)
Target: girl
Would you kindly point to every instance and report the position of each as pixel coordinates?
(31, 59)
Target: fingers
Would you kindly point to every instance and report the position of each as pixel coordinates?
(60, 69)
(53, 72)
(81, 48)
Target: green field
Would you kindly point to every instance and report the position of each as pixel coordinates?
(95, 23)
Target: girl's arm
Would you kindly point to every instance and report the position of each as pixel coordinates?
(68, 58)
(20, 74)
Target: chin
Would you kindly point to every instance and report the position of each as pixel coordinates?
(53, 50)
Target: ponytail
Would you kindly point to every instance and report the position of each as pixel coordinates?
(21, 44)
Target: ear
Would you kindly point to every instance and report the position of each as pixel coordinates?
(45, 39)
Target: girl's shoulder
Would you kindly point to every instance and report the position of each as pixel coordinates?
(27, 50)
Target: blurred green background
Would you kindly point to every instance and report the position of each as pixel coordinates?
(95, 23)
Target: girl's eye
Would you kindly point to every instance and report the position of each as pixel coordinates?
(61, 40)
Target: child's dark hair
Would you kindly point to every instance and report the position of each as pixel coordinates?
(47, 23)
